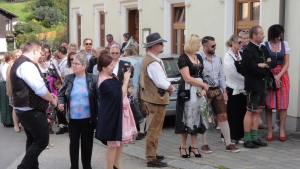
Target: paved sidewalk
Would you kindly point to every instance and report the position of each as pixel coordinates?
(277, 155)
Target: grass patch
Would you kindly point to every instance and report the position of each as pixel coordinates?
(221, 167)
(21, 9)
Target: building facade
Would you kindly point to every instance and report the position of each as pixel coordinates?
(6, 27)
(176, 19)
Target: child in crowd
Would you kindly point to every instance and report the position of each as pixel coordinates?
(131, 98)
(57, 84)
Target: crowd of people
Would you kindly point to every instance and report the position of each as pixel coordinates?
(87, 90)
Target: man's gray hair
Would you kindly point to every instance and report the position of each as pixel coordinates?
(82, 59)
(253, 30)
(109, 36)
(115, 46)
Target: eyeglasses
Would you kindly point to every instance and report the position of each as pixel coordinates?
(88, 44)
(76, 64)
(213, 46)
(114, 53)
(244, 31)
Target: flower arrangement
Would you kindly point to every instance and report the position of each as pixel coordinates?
(208, 114)
(9, 36)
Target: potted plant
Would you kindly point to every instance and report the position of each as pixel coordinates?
(10, 38)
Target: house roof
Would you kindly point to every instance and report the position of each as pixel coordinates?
(8, 12)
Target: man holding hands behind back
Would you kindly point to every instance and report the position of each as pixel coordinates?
(31, 98)
(257, 65)
(155, 90)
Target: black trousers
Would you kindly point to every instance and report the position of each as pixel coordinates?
(37, 131)
(61, 117)
(81, 130)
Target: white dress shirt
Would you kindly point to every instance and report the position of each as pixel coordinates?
(28, 72)
(234, 80)
(157, 73)
(116, 69)
(3, 71)
(62, 65)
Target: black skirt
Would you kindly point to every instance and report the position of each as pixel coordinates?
(236, 110)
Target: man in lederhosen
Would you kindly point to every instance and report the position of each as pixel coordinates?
(155, 90)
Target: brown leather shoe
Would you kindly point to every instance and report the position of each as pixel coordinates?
(205, 149)
(232, 148)
(156, 163)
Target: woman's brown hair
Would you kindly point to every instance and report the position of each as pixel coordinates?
(8, 57)
(103, 61)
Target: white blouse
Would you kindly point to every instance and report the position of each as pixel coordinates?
(286, 45)
(234, 80)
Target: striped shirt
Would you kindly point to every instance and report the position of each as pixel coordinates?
(215, 69)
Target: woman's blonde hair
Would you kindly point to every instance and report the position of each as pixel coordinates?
(233, 38)
(17, 51)
(191, 42)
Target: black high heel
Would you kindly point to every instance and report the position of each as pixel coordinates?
(184, 156)
(115, 167)
(196, 155)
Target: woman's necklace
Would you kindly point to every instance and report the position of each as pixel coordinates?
(192, 57)
(274, 45)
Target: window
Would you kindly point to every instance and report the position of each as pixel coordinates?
(102, 28)
(178, 27)
(8, 25)
(247, 14)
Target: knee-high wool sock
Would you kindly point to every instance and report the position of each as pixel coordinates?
(226, 132)
(203, 139)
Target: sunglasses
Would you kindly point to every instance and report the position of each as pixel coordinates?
(240, 42)
(113, 53)
(213, 46)
(160, 43)
(245, 31)
(88, 44)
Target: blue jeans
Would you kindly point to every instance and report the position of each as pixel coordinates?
(37, 131)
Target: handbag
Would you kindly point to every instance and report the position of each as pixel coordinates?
(137, 115)
(183, 94)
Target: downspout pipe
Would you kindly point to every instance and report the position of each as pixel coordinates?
(68, 21)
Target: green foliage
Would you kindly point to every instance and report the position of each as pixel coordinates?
(47, 13)
(25, 37)
(24, 28)
(59, 5)
(45, 23)
(20, 9)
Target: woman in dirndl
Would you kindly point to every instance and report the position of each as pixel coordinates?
(5, 108)
(189, 120)
(278, 98)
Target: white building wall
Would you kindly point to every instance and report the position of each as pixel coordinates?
(206, 18)
(292, 34)
(3, 45)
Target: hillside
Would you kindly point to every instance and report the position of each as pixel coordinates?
(20, 9)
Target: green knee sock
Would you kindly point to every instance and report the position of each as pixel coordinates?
(254, 135)
(247, 136)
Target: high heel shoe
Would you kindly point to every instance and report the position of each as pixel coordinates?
(115, 167)
(282, 138)
(270, 138)
(186, 154)
(196, 155)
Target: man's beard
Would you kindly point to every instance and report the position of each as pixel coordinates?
(211, 52)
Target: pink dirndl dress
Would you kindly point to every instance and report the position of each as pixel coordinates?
(128, 123)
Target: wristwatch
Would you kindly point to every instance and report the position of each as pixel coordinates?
(267, 66)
